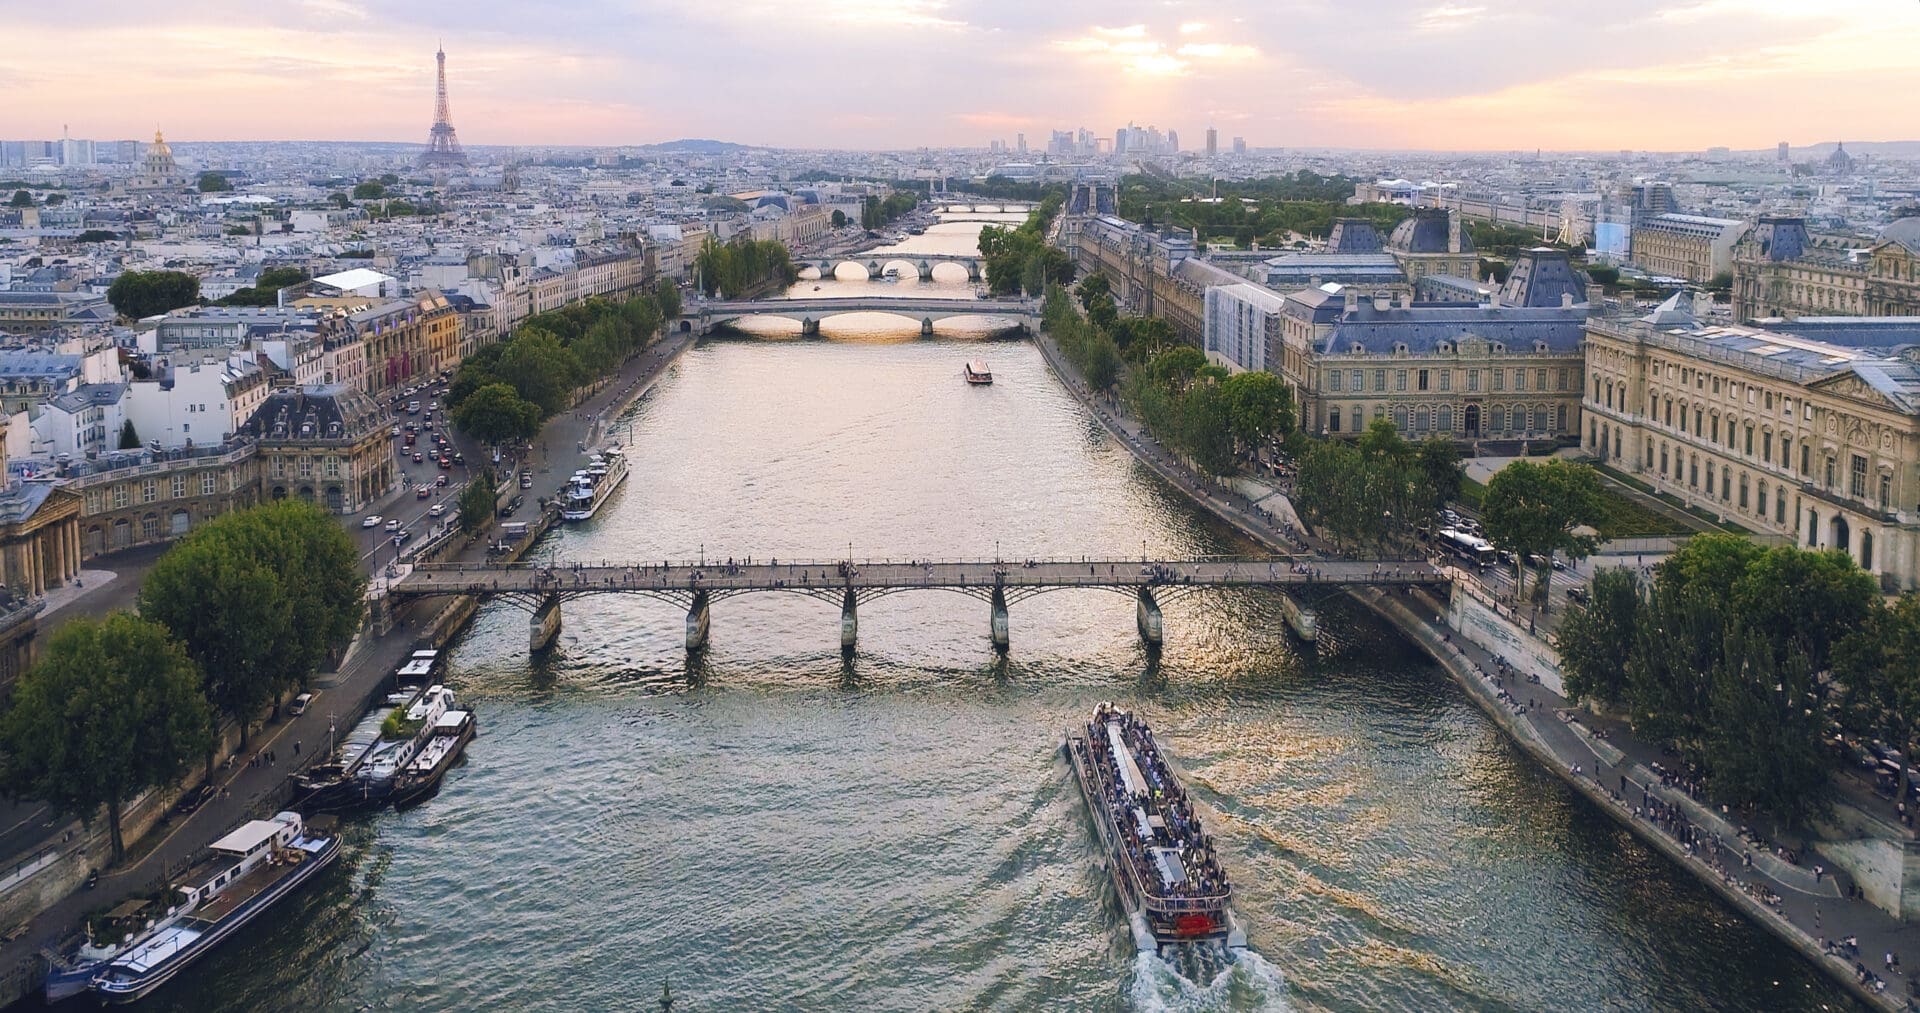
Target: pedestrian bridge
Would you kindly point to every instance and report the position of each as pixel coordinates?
(983, 207)
(876, 265)
(809, 312)
(696, 585)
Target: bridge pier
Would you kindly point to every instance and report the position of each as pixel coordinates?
(874, 271)
(826, 270)
(1146, 618)
(926, 327)
(698, 622)
(997, 625)
(809, 328)
(543, 627)
(973, 272)
(926, 271)
(849, 622)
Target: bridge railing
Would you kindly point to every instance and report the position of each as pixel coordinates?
(711, 562)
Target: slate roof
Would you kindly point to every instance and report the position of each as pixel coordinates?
(1353, 235)
(1421, 328)
(1906, 232)
(1431, 231)
(1541, 277)
(335, 412)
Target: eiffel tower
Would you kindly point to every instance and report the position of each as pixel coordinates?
(443, 145)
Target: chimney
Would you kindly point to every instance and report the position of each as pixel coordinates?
(1566, 300)
(1406, 300)
(1350, 300)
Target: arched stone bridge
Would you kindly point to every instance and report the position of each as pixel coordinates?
(876, 264)
(809, 312)
(694, 586)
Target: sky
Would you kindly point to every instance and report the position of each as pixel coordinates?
(897, 74)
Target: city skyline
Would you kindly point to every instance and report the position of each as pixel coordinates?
(1401, 74)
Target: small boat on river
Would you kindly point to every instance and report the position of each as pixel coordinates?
(420, 779)
(1162, 863)
(240, 875)
(977, 373)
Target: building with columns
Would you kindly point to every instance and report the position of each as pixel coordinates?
(1782, 270)
(1808, 430)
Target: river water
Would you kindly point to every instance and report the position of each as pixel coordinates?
(772, 827)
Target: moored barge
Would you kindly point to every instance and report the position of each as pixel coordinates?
(1162, 863)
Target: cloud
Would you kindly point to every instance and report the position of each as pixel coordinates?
(1134, 49)
(1448, 17)
(1193, 27)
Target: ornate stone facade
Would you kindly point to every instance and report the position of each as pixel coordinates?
(1812, 440)
(163, 496)
(326, 445)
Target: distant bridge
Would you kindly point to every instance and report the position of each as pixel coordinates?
(987, 206)
(809, 312)
(694, 586)
(876, 264)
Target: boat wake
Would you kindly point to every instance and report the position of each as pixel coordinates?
(1192, 981)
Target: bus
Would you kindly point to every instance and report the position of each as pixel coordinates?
(1472, 548)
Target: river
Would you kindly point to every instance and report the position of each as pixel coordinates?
(774, 828)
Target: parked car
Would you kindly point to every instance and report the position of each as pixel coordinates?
(526, 480)
(372, 521)
(300, 704)
(194, 799)
(396, 430)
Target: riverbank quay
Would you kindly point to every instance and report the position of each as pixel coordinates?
(257, 783)
(1809, 912)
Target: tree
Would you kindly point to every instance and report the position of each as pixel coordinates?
(1532, 510)
(1804, 600)
(340, 199)
(1677, 647)
(389, 179)
(259, 598)
(21, 199)
(370, 190)
(1714, 562)
(1877, 670)
(666, 298)
(1438, 459)
(476, 503)
(1092, 287)
(213, 182)
(56, 198)
(1764, 739)
(129, 440)
(1259, 408)
(1595, 640)
(497, 414)
(1176, 367)
(113, 708)
(138, 294)
(540, 369)
(839, 219)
